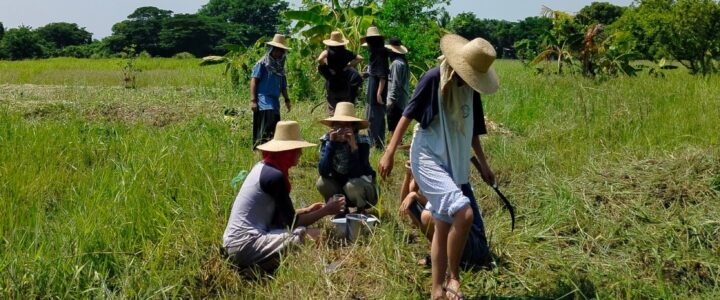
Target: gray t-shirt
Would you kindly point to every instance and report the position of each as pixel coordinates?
(262, 205)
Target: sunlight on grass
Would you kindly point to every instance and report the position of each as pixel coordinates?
(108, 192)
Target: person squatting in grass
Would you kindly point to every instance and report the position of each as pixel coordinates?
(413, 203)
(446, 104)
(267, 83)
(344, 165)
(377, 72)
(263, 220)
(337, 65)
(398, 90)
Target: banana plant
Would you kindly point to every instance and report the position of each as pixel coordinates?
(315, 23)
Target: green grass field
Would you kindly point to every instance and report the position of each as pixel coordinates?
(114, 193)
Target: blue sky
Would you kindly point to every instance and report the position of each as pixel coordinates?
(98, 16)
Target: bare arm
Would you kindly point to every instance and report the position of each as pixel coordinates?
(358, 59)
(287, 99)
(482, 165)
(312, 214)
(322, 59)
(386, 162)
(253, 94)
(380, 89)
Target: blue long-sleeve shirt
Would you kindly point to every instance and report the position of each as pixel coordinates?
(359, 160)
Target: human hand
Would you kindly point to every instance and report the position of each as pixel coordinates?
(386, 164)
(288, 105)
(335, 135)
(405, 205)
(253, 105)
(334, 206)
(379, 99)
(349, 137)
(315, 206)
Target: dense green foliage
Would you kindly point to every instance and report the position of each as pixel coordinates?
(20, 43)
(115, 193)
(600, 12)
(245, 21)
(57, 36)
(685, 30)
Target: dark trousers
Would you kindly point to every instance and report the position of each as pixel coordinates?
(393, 117)
(264, 122)
(375, 112)
(476, 253)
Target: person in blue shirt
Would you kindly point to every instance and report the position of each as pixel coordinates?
(344, 165)
(267, 83)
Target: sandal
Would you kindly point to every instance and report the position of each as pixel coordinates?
(455, 294)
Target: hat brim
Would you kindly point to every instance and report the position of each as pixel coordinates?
(274, 44)
(363, 124)
(485, 83)
(333, 43)
(279, 146)
(397, 49)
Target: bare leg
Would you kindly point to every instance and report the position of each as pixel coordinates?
(457, 237)
(438, 252)
(428, 225)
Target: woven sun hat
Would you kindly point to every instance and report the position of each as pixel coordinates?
(336, 39)
(345, 112)
(472, 61)
(371, 31)
(279, 41)
(396, 46)
(287, 137)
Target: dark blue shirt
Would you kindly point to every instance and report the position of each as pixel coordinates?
(359, 160)
(423, 106)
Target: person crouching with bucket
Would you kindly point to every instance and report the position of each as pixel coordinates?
(263, 220)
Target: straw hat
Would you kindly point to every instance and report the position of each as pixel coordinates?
(371, 31)
(278, 41)
(472, 60)
(396, 46)
(287, 137)
(345, 112)
(336, 39)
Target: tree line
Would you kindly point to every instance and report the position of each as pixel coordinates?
(682, 30)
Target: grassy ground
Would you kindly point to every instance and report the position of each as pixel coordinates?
(108, 192)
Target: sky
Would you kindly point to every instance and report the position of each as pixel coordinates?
(98, 16)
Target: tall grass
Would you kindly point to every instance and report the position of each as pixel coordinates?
(107, 192)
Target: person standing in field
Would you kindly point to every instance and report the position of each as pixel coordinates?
(344, 165)
(447, 106)
(377, 79)
(398, 83)
(337, 65)
(267, 83)
(263, 221)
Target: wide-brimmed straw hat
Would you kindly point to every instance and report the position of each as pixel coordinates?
(287, 137)
(371, 32)
(336, 39)
(345, 112)
(472, 60)
(396, 46)
(279, 41)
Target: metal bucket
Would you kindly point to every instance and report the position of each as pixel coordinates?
(355, 224)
